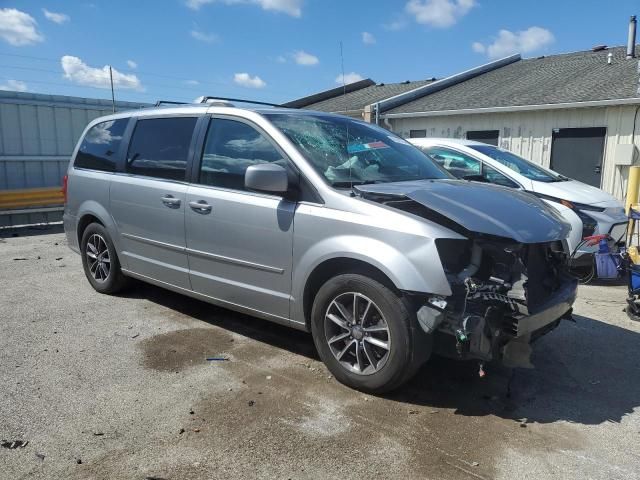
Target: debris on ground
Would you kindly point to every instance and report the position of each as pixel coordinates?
(268, 377)
(217, 359)
(251, 403)
(58, 259)
(13, 444)
(79, 461)
(196, 430)
(20, 258)
(136, 335)
(191, 412)
(182, 430)
(475, 464)
(40, 456)
(413, 412)
(98, 434)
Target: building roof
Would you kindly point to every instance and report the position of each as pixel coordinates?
(357, 99)
(566, 78)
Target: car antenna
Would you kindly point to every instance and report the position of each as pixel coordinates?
(344, 97)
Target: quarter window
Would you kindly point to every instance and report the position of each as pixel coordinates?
(159, 147)
(99, 148)
(230, 148)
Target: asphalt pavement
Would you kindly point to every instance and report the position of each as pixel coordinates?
(121, 387)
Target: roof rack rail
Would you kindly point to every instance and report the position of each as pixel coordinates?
(205, 99)
(169, 102)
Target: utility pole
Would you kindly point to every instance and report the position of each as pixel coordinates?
(113, 97)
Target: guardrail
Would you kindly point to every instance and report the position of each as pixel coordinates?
(31, 197)
(30, 206)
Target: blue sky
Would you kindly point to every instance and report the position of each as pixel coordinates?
(277, 50)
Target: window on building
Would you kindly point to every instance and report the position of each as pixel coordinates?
(159, 147)
(99, 148)
(230, 148)
(485, 136)
(417, 133)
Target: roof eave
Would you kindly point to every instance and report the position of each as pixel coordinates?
(516, 108)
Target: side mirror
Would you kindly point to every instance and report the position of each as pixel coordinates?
(266, 177)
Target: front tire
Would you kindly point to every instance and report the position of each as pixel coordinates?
(367, 334)
(100, 260)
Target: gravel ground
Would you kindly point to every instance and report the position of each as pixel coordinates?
(119, 388)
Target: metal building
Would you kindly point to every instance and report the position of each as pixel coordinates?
(37, 136)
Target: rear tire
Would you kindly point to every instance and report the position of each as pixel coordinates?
(383, 348)
(100, 260)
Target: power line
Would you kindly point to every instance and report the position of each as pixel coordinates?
(136, 72)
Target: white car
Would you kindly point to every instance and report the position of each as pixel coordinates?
(588, 209)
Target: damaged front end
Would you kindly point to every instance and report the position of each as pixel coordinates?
(509, 276)
(505, 296)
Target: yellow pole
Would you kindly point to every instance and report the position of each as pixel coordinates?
(633, 185)
(632, 188)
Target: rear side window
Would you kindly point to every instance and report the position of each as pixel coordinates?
(159, 147)
(99, 148)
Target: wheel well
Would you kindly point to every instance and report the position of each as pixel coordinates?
(84, 222)
(337, 266)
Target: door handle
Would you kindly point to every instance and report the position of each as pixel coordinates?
(171, 201)
(200, 207)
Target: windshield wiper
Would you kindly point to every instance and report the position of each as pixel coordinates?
(348, 184)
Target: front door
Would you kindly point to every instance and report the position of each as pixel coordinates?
(148, 201)
(577, 153)
(239, 243)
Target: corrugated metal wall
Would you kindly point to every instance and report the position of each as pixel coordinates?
(529, 134)
(37, 136)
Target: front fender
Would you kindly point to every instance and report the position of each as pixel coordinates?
(415, 268)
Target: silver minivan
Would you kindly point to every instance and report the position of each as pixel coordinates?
(323, 223)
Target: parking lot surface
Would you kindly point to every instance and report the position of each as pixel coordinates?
(120, 388)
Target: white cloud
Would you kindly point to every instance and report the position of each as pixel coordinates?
(15, 85)
(507, 42)
(349, 78)
(290, 7)
(439, 13)
(132, 65)
(204, 36)
(478, 47)
(79, 72)
(281, 59)
(192, 82)
(368, 38)
(246, 80)
(58, 18)
(398, 24)
(18, 28)
(303, 58)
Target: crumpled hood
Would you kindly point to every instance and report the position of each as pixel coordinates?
(482, 208)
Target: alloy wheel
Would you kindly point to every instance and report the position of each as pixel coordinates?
(98, 259)
(357, 333)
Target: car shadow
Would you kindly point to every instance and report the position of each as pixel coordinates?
(585, 372)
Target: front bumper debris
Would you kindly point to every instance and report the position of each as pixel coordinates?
(505, 295)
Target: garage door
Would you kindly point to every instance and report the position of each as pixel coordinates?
(578, 152)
